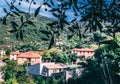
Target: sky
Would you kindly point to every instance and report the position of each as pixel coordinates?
(24, 6)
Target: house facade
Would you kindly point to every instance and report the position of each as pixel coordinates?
(14, 55)
(82, 53)
(86, 52)
(37, 69)
(49, 70)
(29, 57)
(45, 69)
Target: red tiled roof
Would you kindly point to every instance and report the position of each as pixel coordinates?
(15, 53)
(29, 55)
(54, 66)
(82, 49)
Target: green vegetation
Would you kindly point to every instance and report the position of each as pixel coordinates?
(58, 56)
(16, 74)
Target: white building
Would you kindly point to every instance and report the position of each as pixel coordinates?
(36, 69)
(45, 69)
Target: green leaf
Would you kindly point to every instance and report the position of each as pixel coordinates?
(51, 24)
(51, 42)
(21, 19)
(16, 13)
(99, 25)
(45, 32)
(48, 4)
(70, 36)
(71, 29)
(56, 15)
(14, 27)
(53, 10)
(66, 22)
(76, 4)
(7, 3)
(17, 35)
(12, 7)
(11, 15)
(27, 1)
(45, 38)
(79, 34)
(4, 20)
(14, 23)
(12, 31)
(51, 1)
(84, 6)
(21, 34)
(30, 22)
(5, 10)
(18, 10)
(73, 20)
(37, 11)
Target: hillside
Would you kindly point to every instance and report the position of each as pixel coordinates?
(31, 36)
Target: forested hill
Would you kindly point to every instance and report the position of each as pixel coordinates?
(31, 36)
(34, 39)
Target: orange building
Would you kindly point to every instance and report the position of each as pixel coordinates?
(86, 52)
(29, 57)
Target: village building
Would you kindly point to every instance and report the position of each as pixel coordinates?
(14, 55)
(49, 70)
(86, 52)
(29, 58)
(45, 69)
(82, 53)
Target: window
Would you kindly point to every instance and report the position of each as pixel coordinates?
(35, 59)
(60, 70)
(28, 59)
(55, 70)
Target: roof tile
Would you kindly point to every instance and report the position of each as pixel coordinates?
(82, 49)
(29, 55)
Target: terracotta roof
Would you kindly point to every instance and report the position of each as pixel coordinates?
(82, 49)
(29, 55)
(15, 53)
(55, 66)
